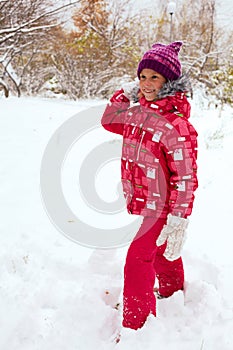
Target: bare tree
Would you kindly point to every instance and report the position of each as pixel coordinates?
(24, 25)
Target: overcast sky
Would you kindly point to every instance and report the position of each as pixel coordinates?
(225, 12)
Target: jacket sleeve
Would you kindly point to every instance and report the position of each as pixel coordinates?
(113, 118)
(181, 154)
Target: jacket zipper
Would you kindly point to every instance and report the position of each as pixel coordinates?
(142, 133)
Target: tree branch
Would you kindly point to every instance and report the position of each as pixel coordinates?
(34, 20)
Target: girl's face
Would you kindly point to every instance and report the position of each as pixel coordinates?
(150, 83)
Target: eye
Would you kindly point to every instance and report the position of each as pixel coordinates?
(142, 77)
(154, 77)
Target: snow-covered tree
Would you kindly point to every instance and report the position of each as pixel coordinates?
(24, 28)
(100, 49)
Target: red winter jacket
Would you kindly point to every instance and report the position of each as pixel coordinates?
(159, 152)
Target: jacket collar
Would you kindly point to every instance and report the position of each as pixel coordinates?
(171, 98)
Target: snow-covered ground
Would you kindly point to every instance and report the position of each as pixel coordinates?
(55, 294)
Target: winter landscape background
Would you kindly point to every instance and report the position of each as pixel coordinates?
(57, 294)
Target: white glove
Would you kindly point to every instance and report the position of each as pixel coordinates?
(131, 90)
(174, 232)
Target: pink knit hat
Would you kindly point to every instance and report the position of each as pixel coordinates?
(163, 59)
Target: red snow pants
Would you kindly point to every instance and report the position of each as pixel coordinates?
(145, 262)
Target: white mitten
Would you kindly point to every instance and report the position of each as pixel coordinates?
(174, 232)
(131, 90)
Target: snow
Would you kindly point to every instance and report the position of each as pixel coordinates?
(57, 294)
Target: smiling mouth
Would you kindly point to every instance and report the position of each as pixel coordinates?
(149, 91)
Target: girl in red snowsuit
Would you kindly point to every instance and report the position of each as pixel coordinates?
(158, 170)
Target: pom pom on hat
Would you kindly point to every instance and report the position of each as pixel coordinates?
(163, 59)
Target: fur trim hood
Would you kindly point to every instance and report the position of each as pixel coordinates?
(170, 88)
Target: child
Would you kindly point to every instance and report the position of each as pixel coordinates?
(158, 168)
